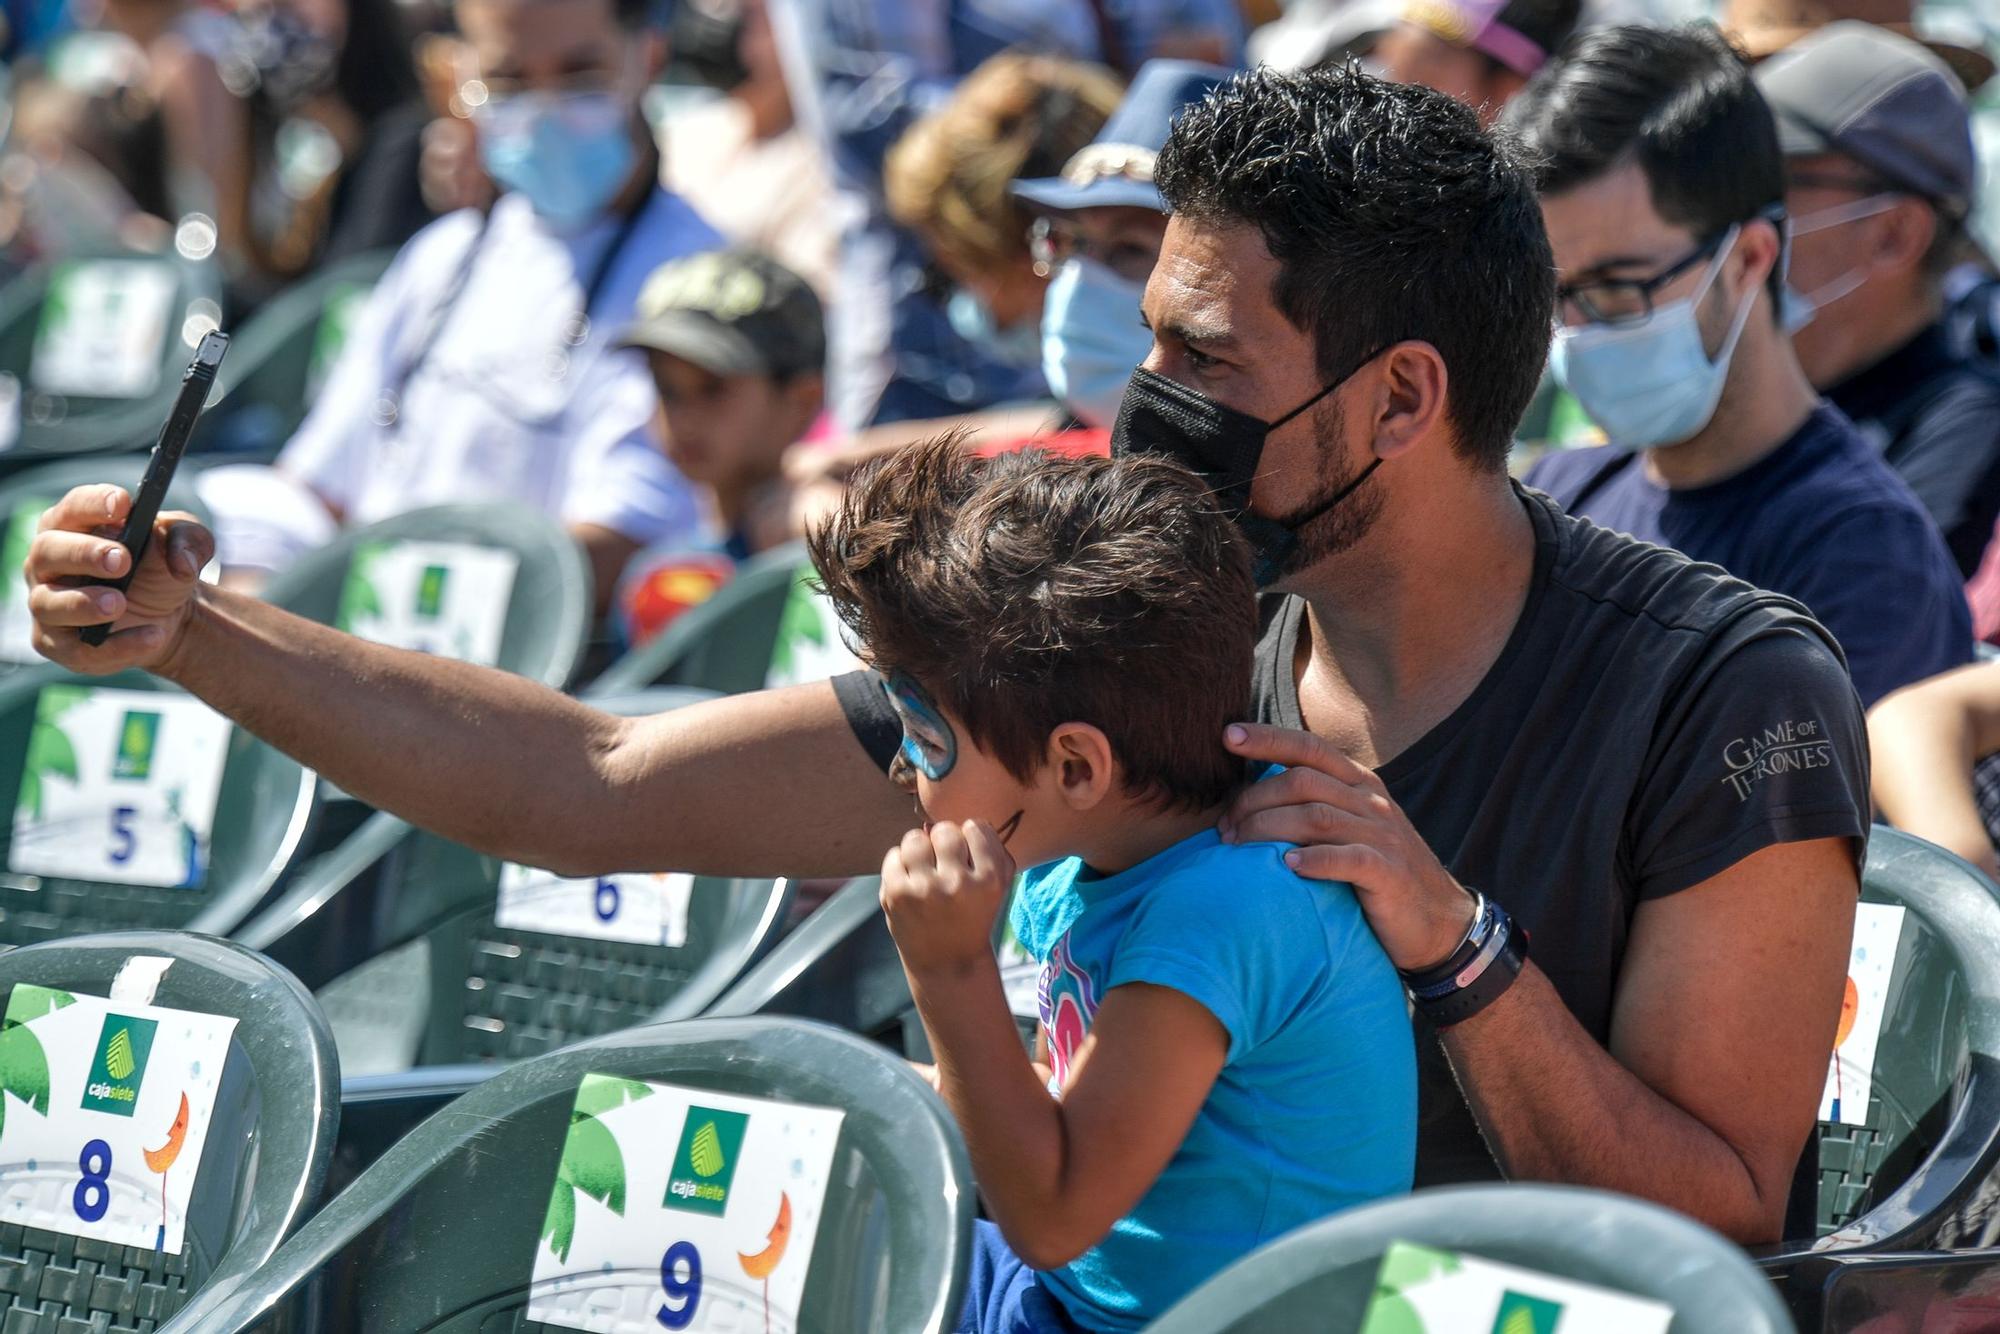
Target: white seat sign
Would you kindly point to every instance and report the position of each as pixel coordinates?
(682, 1209)
(638, 909)
(119, 785)
(104, 328)
(1425, 1291)
(110, 1109)
(444, 598)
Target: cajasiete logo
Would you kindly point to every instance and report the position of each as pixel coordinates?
(119, 1067)
(1522, 1314)
(1779, 749)
(137, 736)
(430, 591)
(705, 1162)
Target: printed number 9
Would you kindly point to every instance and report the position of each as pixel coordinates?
(93, 1183)
(682, 1295)
(124, 841)
(606, 900)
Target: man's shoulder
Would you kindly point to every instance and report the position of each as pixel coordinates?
(1563, 474)
(674, 226)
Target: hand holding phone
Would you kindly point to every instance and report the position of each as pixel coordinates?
(166, 457)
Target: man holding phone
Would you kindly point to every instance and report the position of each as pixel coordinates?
(1469, 688)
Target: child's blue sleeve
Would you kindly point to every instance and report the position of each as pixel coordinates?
(1240, 933)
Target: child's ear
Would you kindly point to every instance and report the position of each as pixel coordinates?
(1080, 758)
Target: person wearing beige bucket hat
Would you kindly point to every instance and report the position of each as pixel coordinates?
(1761, 28)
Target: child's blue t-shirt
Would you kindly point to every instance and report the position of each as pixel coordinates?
(1316, 1107)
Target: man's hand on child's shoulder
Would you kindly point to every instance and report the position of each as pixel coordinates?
(942, 890)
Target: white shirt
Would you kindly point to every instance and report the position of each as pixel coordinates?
(501, 407)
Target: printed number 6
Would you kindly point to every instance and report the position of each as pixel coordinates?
(124, 842)
(93, 1183)
(606, 900)
(685, 1292)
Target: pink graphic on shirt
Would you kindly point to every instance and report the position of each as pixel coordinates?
(1068, 1002)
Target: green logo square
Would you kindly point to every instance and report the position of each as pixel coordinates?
(119, 1067)
(136, 738)
(1522, 1314)
(705, 1162)
(430, 591)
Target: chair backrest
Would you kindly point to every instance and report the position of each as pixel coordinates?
(838, 966)
(1931, 1131)
(728, 643)
(134, 805)
(97, 344)
(281, 355)
(262, 1162)
(493, 548)
(1323, 1277)
(23, 497)
(442, 1232)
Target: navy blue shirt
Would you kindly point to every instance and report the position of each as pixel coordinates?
(1821, 519)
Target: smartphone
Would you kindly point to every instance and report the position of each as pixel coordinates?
(166, 457)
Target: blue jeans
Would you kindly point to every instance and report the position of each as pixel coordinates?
(1003, 1295)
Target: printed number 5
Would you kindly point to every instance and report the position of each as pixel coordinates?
(92, 1195)
(683, 1295)
(606, 900)
(123, 841)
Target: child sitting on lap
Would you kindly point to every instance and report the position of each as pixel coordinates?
(1225, 1051)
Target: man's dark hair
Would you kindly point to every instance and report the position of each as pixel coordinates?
(1546, 23)
(1029, 590)
(1392, 218)
(1679, 102)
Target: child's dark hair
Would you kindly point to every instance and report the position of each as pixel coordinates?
(1027, 590)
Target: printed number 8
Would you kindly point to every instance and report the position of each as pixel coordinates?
(606, 900)
(687, 1293)
(93, 1183)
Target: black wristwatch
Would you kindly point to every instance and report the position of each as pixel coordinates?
(1478, 972)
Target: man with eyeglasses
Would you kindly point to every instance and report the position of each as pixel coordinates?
(1662, 187)
(1880, 173)
(479, 368)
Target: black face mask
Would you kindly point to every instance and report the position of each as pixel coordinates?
(1223, 446)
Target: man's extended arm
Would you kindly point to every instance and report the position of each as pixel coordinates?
(1925, 739)
(500, 763)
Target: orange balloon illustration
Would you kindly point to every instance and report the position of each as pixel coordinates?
(1850, 1001)
(160, 1159)
(763, 1262)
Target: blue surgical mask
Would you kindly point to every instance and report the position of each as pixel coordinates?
(568, 153)
(1018, 345)
(1798, 308)
(1092, 338)
(1651, 383)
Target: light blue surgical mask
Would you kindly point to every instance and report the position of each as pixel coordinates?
(1018, 345)
(1092, 338)
(1651, 383)
(1798, 308)
(568, 153)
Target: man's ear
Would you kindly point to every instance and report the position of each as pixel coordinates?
(1905, 236)
(804, 395)
(1080, 757)
(1754, 256)
(1410, 387)
(655, 49)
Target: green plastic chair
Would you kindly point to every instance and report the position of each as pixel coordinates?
(441, 983)
(265, 807)
(55, 424)
(262, 1166)
(838, 967)
(548, 614)
(25, 494)
(726, 643)
(439, 1234)
(1322, 1277)
(280, 357)
(1933, 1132)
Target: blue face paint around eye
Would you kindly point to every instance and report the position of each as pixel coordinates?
(929, 743)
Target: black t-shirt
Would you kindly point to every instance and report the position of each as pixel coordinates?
(1650, 722)
(1934, 416)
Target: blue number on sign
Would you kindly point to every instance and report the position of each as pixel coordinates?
(123, 841)
(92, 1195)
(683, 1294)
(606, 900)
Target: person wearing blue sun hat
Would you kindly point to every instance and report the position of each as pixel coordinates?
(1099, 233)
